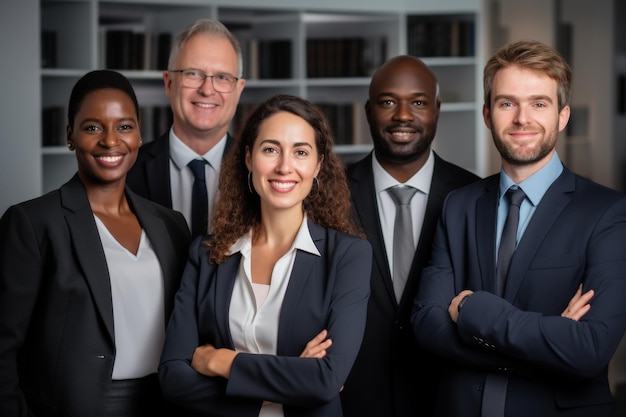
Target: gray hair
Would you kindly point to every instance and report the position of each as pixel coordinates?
(209, 27)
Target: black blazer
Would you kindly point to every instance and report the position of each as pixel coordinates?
(329, 291)
(555, 366)
(150, 175)
(390, 371)
(56, 315)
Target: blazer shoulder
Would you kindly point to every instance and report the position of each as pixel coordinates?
(453, 172)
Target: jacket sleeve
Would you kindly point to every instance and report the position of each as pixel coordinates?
(576, 348)
(20, 281)
(493, 333)
(180, 383)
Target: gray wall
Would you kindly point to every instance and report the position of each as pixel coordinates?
(20, 120)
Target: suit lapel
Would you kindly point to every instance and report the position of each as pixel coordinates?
(88, 248)
(486, 214)
(303, 267)
(163, 246)
(546, 214)
(225, 276)
(364, 197)
(158, 172)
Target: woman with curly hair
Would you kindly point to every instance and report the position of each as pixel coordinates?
(271, 310)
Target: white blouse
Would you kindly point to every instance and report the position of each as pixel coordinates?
(138, 305)
(253, 317)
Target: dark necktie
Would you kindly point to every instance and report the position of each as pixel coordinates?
(495, 388)
(199, 198)
(403, 245)
(509, 236)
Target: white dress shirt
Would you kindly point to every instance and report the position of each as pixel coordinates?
(138, 305)
(181, 177)
(254, 322)
(387, 208)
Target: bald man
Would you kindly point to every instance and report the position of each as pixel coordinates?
(391, 376)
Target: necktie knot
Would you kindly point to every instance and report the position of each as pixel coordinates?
(515, 196)
(402, 195)
(197, 168)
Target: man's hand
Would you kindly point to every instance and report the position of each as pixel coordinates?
(453, 308)
(579, 304)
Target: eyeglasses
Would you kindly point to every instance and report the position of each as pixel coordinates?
(192, 78)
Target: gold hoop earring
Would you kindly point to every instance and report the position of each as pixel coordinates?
(250, 182)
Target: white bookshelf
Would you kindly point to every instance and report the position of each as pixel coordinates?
(80, 26)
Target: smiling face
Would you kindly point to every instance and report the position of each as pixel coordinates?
(283, 162)
(105, 135)
(524, 118)
(402, 110)
(203, 114)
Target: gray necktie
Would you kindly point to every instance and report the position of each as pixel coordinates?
(403, 245)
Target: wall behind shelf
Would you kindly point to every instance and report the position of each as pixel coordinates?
(19, 82)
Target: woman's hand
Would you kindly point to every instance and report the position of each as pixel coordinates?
(316, 348)
(210, 361)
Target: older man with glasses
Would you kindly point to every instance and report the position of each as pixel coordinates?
(180, 169)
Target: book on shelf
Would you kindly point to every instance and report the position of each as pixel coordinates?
(154, 121)
(53, 123)
(268, 59)
(48, 49)
(348, 123)
(344, 57)
(436, 36)
(130, 47)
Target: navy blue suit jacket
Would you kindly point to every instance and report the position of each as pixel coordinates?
(556, 366)
(57, 344)
(324, 292)
(390, 371)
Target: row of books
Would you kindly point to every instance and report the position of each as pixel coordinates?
(440, 37)
(133, 49)
(347, 121)
(153, 122)
(119, 48)
(345, 57)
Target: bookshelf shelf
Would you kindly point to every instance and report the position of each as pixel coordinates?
(324, 52)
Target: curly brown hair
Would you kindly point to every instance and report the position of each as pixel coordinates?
(237, 209)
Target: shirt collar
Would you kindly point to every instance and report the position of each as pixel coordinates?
(421, 180)
(181, 154)
(303, 241)
(537, 184)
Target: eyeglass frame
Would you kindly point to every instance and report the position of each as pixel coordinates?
(205, 76)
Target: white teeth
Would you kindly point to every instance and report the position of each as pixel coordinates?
(110, 158)
(283, 185)
(205, 106)
(402, 134)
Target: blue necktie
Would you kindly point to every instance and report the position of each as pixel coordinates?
(199, 198)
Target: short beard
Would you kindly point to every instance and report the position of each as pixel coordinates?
(386, 152)
(513, 158)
